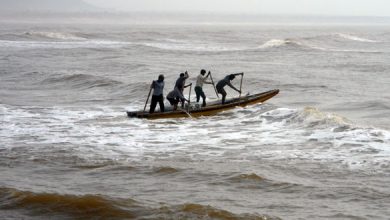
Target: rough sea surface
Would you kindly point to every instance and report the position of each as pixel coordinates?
(318, 150)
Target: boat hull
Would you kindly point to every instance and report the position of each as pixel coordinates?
(208, 110)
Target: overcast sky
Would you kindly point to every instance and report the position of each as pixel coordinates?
(288, 7)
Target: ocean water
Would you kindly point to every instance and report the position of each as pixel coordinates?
(318, 150)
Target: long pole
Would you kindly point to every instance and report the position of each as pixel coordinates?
(147, 100)
(189, 99)
(212, 81)
(242, 76)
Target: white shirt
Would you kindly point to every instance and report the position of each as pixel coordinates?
(200, 80)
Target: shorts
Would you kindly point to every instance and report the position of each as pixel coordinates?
(199, 91)
(221, 91)
(173, 101)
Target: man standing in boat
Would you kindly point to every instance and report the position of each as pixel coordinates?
(200, 80)
(158, 88)
(226, 81)
(177, 94)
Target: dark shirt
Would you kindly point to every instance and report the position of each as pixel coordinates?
(171, 95)
(181, 81)
(225, 81)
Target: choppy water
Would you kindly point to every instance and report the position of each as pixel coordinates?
(318, 150)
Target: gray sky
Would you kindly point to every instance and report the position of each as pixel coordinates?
(288, 7)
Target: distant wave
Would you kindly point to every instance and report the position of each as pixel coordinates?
(190, 46)
(81, 81)
(23, 44)
(55, 35)
(99, 43)
(276, 43)
(58, 40)
(354, 38)
(336, 36)
(319, 42)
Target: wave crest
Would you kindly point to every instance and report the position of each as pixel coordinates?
(277, 43)
(354, 38)
(54, 35)
(166, 170)
(191, 46)
(87, 206)
(248, 177)
(308, 117)
(99, 207)
(208, 212)
(313, 117)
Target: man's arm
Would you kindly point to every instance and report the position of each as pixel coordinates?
(207, 82)
(231, 86)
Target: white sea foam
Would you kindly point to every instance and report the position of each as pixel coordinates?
(301, 134)
(276, 43)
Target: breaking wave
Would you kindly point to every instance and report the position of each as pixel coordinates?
(367, 147)
(298, 130)
(310, 117)
(277, 43)
(59, 40)
(319, 42)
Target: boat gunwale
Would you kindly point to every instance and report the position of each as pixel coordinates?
(208, 110)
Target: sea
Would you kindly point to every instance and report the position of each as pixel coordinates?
(320, 149)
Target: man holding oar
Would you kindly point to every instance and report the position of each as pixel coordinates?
(200, 80)
(226, 81)
(158, 88)
(176, 94)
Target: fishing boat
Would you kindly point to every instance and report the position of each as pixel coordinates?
(211, 109)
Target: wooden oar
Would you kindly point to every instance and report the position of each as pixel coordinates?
(189, 102)
(212, 81)
(147, 100)
(242, 76)
(189, 115)
(189, 99)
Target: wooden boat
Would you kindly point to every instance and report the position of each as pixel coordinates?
(210, 109)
